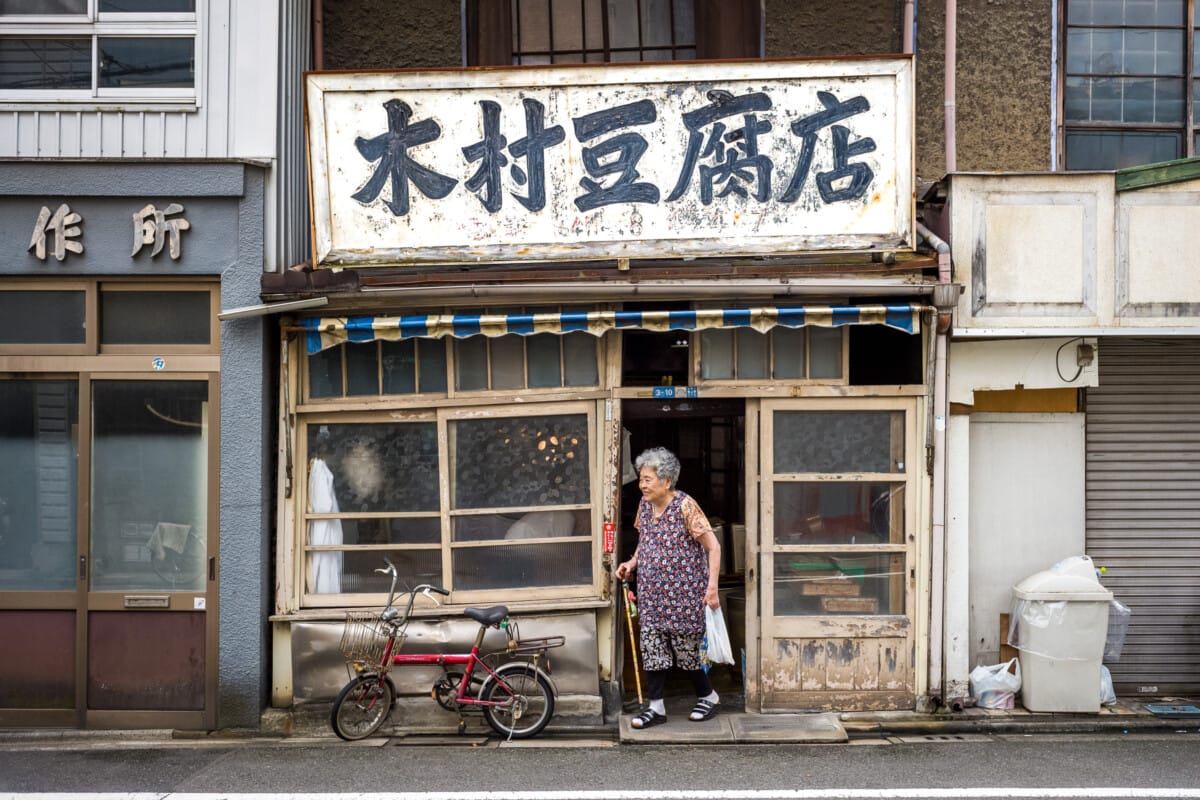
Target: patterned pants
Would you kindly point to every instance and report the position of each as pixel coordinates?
(662, 648)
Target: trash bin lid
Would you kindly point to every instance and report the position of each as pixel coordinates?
(1051, 585)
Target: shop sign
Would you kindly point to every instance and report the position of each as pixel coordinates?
(620, 161)
(62, 231)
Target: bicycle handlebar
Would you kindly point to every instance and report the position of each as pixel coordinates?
(424, 588)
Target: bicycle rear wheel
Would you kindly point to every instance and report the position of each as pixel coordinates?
(526, 703)
(361, 707)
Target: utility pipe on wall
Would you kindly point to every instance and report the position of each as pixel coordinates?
(945, 297)
(950, 89)
(908, 34)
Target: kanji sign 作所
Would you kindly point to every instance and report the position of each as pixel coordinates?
(628, 161)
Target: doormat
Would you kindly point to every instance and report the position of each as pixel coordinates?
(1174, 712)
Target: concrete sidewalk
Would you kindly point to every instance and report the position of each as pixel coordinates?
(728, 727)
(740, 727)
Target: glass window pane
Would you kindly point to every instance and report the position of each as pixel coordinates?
(820, 584)
(356, 569)
(508, 362)
(362, 368)
(518, 566)
(716, 354)
(38, 483)
(567, 25)
(518, 525)
(399, 366)
(839, 513)
(376, 530)
(531, 26)
(160, 62)
(825, 352)
(147, 6)
(515, 462)
(545, 365)
(656, 22)
(431, 361)
(788, 346)
(1078, 99)
(839, 441)
(149, 494)
(470, 364)
(43, 7)
(685, 22)
(42, 317)
(594, 24)
(29, 63)
(1079, 50)
(579, 359)
(1117, 149)
(751, 354)
(1168, 100)
(386, 466)
(155, 317)
(623, 26)
(325, 373)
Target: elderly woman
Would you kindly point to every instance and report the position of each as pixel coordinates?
(678, 562)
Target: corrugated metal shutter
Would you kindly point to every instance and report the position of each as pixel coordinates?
(1143, 505)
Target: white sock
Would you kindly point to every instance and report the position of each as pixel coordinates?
(658, 707)
(713, 698)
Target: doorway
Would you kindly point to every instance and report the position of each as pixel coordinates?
(708, 437)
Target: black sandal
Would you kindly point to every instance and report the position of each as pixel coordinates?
(647, 719)
(703, 710)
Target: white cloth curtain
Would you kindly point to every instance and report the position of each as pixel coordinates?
(324, 570)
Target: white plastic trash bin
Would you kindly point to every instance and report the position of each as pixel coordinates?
(1060, 621)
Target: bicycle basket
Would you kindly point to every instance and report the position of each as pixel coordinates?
(364, 638)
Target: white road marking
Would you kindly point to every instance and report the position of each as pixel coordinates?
(1003, 793)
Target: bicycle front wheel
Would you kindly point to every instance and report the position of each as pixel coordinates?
(525, 702)
(361, 707)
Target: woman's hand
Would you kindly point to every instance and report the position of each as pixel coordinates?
(711, 598)
(625, 568)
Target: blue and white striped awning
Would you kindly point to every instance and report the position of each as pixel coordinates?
(325, 332)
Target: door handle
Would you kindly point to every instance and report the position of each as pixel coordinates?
(212, 568)
(83, 568)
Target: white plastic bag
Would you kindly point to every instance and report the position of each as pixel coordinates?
(717, 637)
(994, 686)
(1108, 697)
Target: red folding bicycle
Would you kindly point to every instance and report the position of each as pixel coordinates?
(516, 696)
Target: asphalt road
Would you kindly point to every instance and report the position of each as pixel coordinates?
(1154, 765)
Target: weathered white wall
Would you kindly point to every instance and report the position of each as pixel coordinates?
(1066, 251)
(237, 88)
(1007, 363)
(1026, 510)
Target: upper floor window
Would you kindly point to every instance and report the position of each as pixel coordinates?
(1130, 72)
(118, 50)
(579, 31)
(504, 32)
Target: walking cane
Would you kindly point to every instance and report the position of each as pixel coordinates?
(637, 675)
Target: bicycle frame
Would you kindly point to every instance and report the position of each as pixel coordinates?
(469, 661)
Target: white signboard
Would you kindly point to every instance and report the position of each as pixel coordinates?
(618, 161)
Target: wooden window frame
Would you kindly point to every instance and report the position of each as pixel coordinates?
(443, 417)
(1188, 129)
(697, 350)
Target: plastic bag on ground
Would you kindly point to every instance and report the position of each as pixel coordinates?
(719, 651)
(1108, 697)
(994, 686)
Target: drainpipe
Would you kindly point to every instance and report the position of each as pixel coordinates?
(908, 32)
(318, 34)
(951, 69)
(945, 298)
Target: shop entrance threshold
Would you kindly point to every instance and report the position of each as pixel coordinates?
(735, 727)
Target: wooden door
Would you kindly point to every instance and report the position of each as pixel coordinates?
(837, 543)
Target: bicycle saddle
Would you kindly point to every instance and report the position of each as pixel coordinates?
(487, 616)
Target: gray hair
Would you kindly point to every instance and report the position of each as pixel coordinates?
(662, 461)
